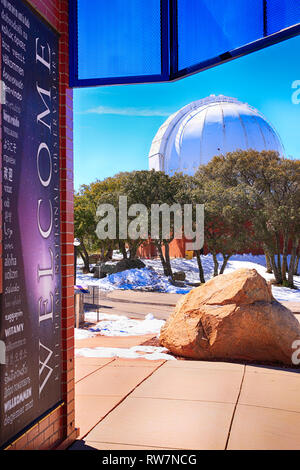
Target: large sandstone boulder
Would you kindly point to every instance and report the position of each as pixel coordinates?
(232, 316)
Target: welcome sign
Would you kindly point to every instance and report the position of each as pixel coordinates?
(30, 319)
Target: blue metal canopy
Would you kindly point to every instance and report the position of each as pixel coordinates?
(141, 41)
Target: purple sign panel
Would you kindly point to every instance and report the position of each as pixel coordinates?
(30, 318)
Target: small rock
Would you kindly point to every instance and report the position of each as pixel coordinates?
(179, 276)
(125, 264)
(101, 270)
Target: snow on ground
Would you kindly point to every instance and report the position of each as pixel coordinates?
(136, 279)
(152, 353)
(153, 278)
(117, 325)
(83, 334)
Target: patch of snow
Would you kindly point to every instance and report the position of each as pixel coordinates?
(132, 279)
(83, 334)
(97, 316)
(151, 353)
(114, 325)
(117, 254)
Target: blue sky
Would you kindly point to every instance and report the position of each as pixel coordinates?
(114, 126)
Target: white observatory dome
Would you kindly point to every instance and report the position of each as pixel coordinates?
(212, 126)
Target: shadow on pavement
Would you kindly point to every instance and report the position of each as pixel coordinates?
(81, 445)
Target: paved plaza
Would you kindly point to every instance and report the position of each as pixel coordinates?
(183, 404)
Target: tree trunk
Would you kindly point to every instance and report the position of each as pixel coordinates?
(167, 258)
(200, 267)
(162, 259)
(225, 261)
(268, 259)
(292, 263)
(108, 255)
(276, 271)
(284, 266)
(278, 256)
(216, 265)
(268, 263)
(85, 257)
(132, 250)
(296, 264)
(123, 249)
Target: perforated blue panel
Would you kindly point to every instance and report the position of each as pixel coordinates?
(120, 40)
(134, 41)
(281, 14)
(208, 28)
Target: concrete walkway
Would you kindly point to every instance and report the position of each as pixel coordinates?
(140, 404)
(137, 304)
(143, 404)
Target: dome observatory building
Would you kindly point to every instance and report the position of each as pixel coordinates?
(211, 126)
(201, 130)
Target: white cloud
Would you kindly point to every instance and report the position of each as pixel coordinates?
(127, 111)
